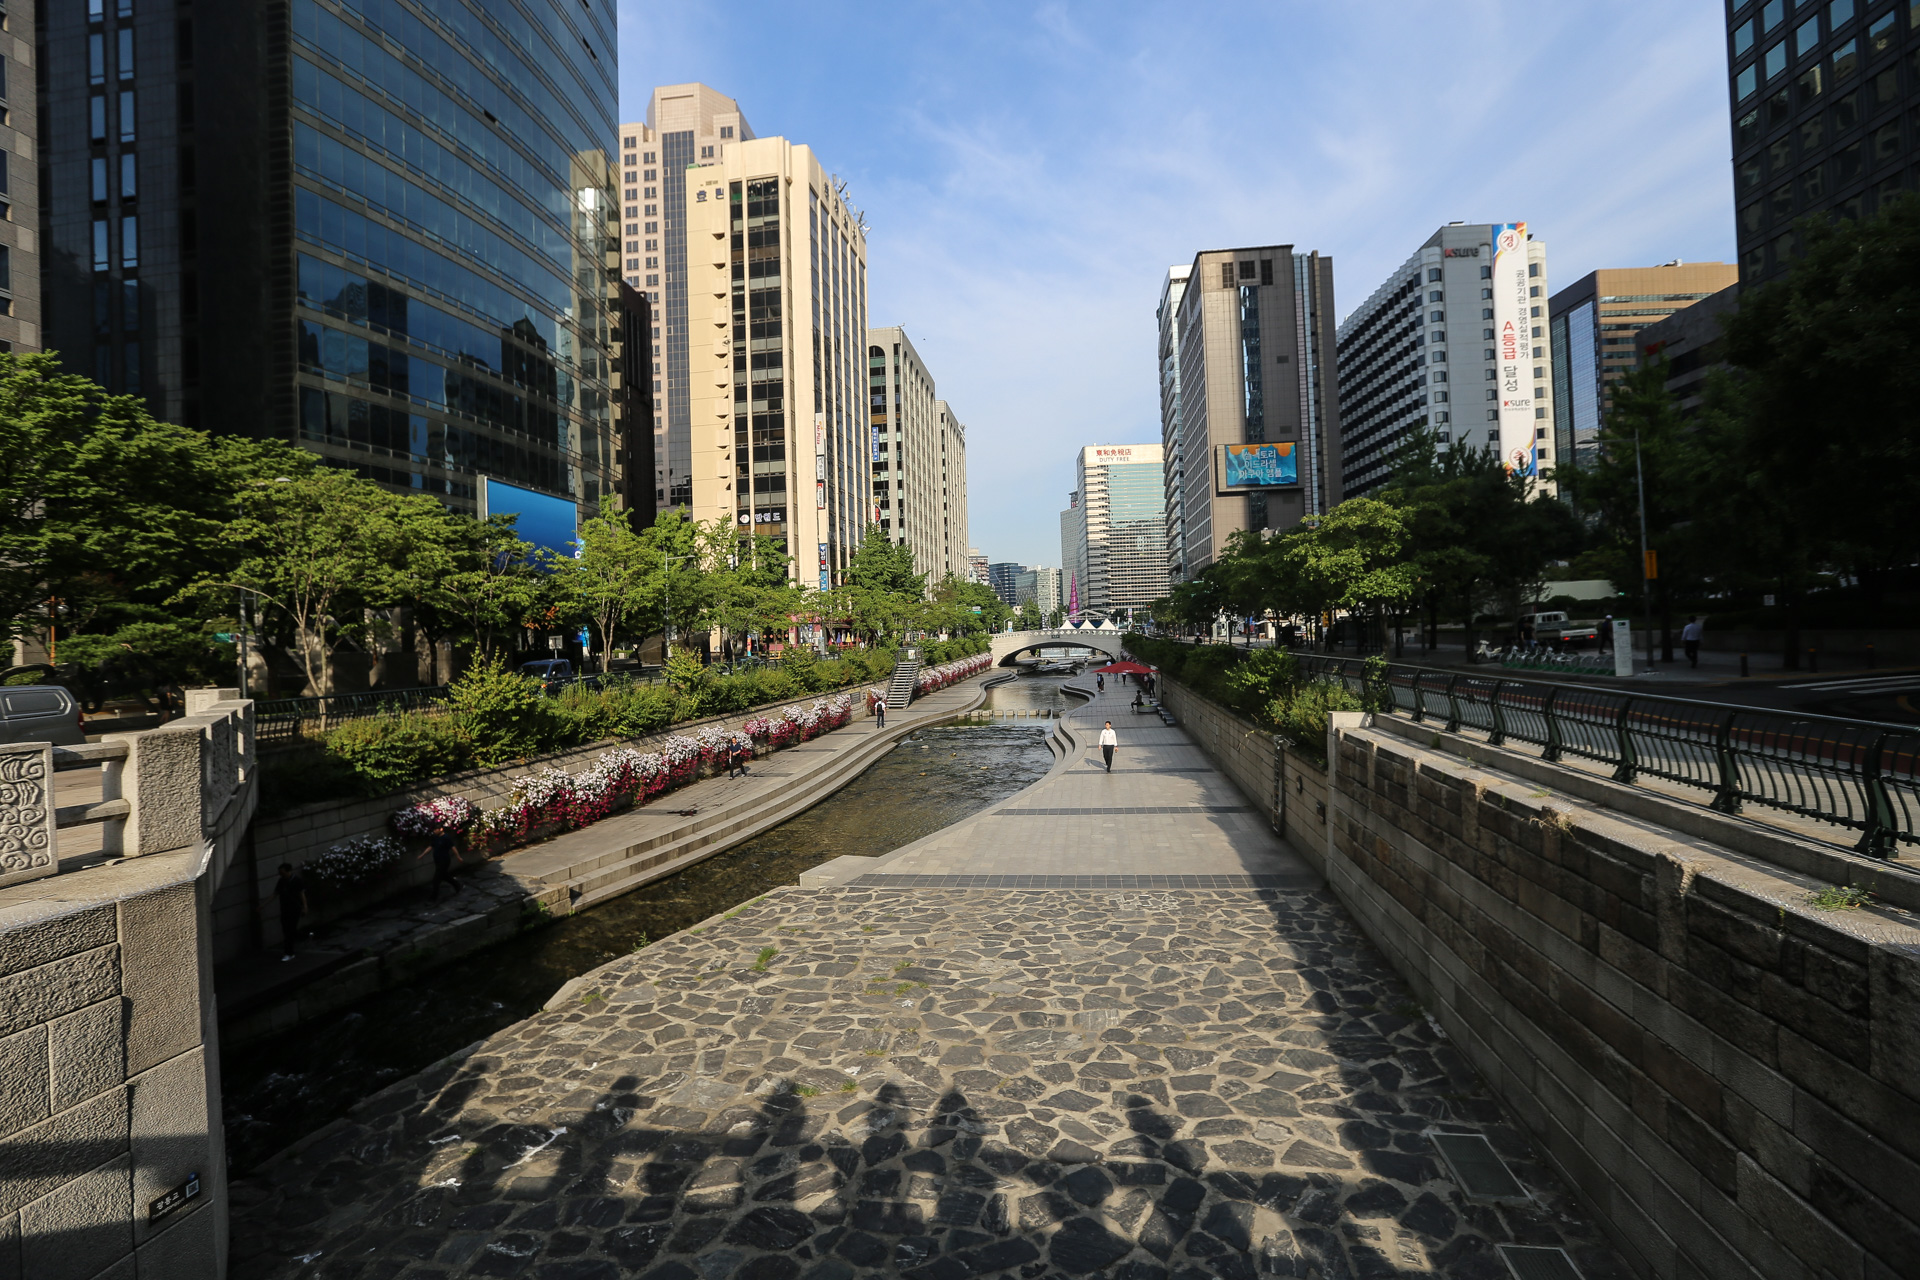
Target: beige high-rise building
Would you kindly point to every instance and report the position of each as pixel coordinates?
(776, 324)
(686, 124)
(919, 458)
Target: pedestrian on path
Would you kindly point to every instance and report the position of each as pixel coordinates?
(880, 713)
(445, 847)
(1606, 634)
(291, 890)
(1099, 683)
(1108, 741)
(1690, 637)
(736, 759)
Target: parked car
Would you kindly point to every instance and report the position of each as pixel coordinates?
(1554, 630)
(40, 713)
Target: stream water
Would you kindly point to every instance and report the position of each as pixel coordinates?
(279, 1090)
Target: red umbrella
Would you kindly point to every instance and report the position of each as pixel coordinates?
(1125, 669)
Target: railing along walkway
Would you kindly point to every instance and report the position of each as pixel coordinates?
(1852, 782)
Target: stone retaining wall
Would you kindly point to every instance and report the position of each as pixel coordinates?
(1729, 1075)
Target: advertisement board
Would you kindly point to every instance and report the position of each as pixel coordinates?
(543, 519)
(1240, 467)
(1512, 323)
(765, 515)
(826, 579)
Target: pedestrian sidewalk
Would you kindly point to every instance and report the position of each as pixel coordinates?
(354, 957)
(1165, 817)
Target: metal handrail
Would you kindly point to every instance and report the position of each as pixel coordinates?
(1857, 774)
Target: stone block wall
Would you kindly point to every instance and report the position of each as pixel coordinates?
(1729, 1075)
(105, 1101)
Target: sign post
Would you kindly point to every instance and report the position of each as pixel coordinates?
(1622, 647)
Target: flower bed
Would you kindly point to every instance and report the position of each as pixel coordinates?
(554, 800)
(352, 863)
(934, 678)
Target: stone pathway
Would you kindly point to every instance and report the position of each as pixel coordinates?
(923, 1081)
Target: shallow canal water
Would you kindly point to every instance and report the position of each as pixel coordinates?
(278, 1091)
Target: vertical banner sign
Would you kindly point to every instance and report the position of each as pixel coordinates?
(1622, 647)
(1511, 321)
(820, 461)
(826, 582)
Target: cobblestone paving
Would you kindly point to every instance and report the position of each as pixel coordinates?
(1143, 1085)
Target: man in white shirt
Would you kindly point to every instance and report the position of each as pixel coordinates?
(1690, 636)
(1108, 741)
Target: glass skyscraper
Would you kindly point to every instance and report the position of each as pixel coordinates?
(382, 229)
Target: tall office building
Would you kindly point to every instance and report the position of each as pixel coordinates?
(1259, 437)
(1471, 305)
(1000, 576)
(1168, 314)
(919, 458)
(976, 566)
(1039, 584)
(953, 493)
(19, 185)
(1693, 343)
(1073, 551)
(381, 235)
(686, 124)
(1113, 533)
(1821, 120)
(632, 385)
(1594, 325)
(775, 344)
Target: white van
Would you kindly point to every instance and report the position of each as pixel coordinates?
(39, 713)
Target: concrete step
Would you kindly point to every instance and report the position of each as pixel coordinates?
(900, 688)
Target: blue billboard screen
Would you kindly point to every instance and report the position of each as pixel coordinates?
(540, 518)
(1258, 466)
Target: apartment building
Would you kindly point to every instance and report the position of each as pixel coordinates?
(1259, 438)
(1453, 343)
(775, 342)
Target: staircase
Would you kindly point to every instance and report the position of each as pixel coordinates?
(900, 688)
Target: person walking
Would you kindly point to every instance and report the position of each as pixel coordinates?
(1606, 634)
(1108, 741)
(1690, 637)
(1099, 683)
(880, 713)
(736, 759)
(445, 847)
(291, 890)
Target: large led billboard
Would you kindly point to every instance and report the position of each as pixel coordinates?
(1241, 467)
(540, 518)
(1512, 319)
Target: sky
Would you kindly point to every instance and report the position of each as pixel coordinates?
(1030, 171)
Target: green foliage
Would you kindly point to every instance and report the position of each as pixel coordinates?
(1265, 685)
(503, 714)
(1302, 714)
(1840, 898)
(387, 753)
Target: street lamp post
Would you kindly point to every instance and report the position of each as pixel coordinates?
(1646, 562)
(666, 592)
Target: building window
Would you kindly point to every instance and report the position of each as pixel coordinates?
(1806, 37)
(129, 241)
(1846, 59)
(726, 131)
(1433, 275)
(98, 186)
(1812, 130)
(126, 53)
(128, 187)
(1807, 87)
(1533, 269)
(1776, 59)
(1743, 38)
(1880, 35)
(1846, 164)
(1839, 13)
(1846, 113)
(1886, 88)
(1436, 317)
(1771, 14)
(100, 262)
(706, 153)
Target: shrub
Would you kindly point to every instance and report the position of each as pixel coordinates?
(1301, 718)
(445, 813)
(504, 714)
(385, 753)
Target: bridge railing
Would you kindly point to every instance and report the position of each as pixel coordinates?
(1860, 775)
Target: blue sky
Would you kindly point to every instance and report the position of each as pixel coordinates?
(1030, 171)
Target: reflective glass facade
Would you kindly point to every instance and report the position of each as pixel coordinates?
(402, 258)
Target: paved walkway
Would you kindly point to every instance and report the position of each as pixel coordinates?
(1078, 1074)
(1164, 812)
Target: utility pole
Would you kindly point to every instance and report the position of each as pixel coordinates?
(1646, 557)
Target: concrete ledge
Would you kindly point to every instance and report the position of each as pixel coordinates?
(1897, 883)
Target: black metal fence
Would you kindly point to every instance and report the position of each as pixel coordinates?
(1860, 775)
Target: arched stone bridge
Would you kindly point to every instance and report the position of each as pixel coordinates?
(1011, 644)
